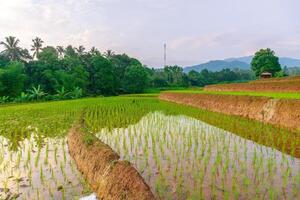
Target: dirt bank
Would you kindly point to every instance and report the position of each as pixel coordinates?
(109, 177)
(284, 113)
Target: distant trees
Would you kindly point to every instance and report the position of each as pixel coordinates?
(206, 77)
(175, 76)
(104, 77)
(136, 79)
(265, 61)
(66, 73)
(12, 79)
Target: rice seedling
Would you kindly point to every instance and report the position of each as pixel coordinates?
(177, 149)
(223, 158)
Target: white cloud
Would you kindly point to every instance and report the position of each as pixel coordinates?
(195, 30)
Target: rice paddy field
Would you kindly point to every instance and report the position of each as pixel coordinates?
(180, 151)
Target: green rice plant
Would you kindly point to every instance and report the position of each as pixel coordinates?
(174, 141)
(46, 161)
(37, 158)
(41, 174)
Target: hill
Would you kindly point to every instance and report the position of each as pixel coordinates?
(240, 62)
(218, 65)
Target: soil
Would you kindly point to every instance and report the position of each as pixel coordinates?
(283, 113)
(109, 177)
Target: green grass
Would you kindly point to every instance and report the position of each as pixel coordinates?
(275, 95)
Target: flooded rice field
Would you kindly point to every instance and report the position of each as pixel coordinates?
(173, 147)
(40, 168)
(184, 158)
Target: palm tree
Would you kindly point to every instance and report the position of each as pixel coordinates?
(94, 51)
(12, 51)
(70, 51)
(80, 50)
(60, 50)
(109, 54)
(37, 46)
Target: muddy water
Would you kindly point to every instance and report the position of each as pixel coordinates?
(184, 158)
(40, 168)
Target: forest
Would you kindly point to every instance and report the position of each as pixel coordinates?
(56, 73)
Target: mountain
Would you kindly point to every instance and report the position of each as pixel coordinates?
(246, 59)
(284, 61)
(218, 65)
(289, 62)
(240, 62)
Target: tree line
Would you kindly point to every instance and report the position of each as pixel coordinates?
(55, 73)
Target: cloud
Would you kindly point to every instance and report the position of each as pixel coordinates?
(195, 31)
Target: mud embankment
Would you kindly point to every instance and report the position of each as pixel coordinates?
(109, 177)
(279, 112)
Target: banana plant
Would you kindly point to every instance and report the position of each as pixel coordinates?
(76, 93)
(62, 94)
(4, 99)
(24, 97)
(36, 93)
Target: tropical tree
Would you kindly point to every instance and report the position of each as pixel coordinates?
(4, 99)
(70, 51)
(265, 61)
(60, 50)
(94, 51)
(36, 93)
(62, 93)
(48, 55)
(12, 79)
(109, 54)
(136, 79)
(12, 50)
(76, 93)
(80, 50)
(103, 79)
(3, 60)
(24, 97)
(37, 46)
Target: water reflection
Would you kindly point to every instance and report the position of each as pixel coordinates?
(37, 167)
(181, 157)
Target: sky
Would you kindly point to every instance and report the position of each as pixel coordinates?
(195, 31)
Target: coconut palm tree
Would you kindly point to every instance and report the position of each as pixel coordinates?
(37, 46)
(109, 54)
(60, 50)
(12, 51)
(80, 50)
(94, 51)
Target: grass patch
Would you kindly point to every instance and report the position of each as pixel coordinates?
(275, 95)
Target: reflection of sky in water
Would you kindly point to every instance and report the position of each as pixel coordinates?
(181, 156)
(31, 173)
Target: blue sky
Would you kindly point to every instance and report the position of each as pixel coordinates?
(195, 30)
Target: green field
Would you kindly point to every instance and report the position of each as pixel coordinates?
(275, 95)
(181, 152)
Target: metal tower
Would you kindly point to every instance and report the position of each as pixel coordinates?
(165, 55)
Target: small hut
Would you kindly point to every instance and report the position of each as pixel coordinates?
(266, 75)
